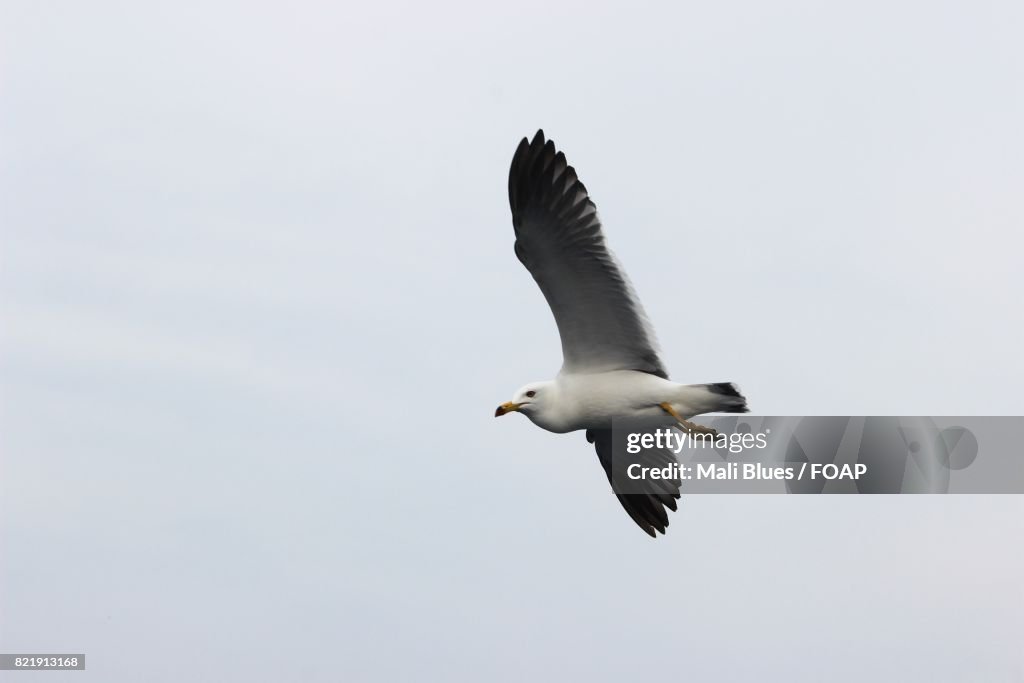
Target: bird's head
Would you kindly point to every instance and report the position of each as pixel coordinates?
(528, 400)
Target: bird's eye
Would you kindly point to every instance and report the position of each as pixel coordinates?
(531, 394)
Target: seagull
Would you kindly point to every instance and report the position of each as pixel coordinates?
(610, 371)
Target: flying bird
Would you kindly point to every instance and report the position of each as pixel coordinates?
(610, 365)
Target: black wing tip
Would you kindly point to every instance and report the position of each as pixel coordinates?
(540, 178)
(528, 154)
(648, 512)
(528, 148)
(539, 142)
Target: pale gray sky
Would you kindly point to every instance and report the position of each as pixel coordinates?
(259, 302)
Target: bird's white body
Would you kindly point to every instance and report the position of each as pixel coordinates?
(574, 401)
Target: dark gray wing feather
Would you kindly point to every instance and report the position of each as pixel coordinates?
(601, 322)
(646, 507)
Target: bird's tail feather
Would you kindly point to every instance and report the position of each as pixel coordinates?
(723, 397)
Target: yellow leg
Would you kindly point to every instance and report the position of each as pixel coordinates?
(691, 427)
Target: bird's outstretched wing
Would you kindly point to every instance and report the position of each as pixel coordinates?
(646, 507)
(558, 238)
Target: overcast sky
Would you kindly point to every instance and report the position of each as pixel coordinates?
(259, 302)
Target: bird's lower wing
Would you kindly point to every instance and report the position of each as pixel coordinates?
(647, 505)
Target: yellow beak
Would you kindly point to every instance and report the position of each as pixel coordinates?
(509, 407)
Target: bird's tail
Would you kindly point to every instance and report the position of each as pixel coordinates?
(721, 397)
